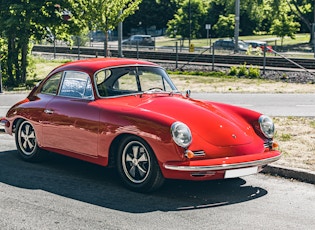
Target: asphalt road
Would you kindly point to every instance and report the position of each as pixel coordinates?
(269, 104)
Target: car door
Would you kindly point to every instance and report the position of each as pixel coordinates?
(72, 117)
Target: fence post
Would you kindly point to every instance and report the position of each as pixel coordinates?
(212, 58)
(137, 49)
(264, 64)
(176, 55)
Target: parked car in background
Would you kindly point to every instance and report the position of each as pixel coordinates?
(259, 45)
(229, 44)
(128, 114)
(141, 40)
(97, 36)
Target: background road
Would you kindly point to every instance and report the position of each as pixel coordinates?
(269, 104)
(63, 193)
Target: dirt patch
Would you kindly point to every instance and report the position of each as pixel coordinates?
(296, 139)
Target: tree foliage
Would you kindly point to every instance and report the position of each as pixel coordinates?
(149, 15)
(22, 21)
(188, 19)
(225, 25)
(26, 20)
(285, 26)
(105, 14)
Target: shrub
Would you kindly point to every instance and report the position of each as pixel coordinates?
(253, 72)
(242, 71)
(233, 71)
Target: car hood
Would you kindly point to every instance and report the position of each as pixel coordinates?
(208, 121)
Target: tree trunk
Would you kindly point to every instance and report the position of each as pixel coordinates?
(17, 65)
(10, 59)
(24, 60)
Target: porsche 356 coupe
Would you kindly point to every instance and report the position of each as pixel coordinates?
(128, 114)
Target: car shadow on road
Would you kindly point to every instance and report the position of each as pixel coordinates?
(97, 185)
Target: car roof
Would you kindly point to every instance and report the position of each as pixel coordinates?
(94, 64)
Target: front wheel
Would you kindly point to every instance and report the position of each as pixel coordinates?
(137, 165)
(26, 142)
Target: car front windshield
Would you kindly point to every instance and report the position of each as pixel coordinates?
(132, 80)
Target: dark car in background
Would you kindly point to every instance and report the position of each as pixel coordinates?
(141, 40)
(229, 44)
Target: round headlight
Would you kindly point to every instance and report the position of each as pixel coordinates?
(267, 126)
(181, 134)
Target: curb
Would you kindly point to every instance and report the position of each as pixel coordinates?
(291, 173)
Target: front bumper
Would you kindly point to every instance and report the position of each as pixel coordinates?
(218, 168)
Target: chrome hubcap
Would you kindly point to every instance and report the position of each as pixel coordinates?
(136, 162)
(27, 138)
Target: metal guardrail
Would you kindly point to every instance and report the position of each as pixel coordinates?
(172, 55)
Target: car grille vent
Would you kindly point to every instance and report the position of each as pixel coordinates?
(268, 144)
(199, 153)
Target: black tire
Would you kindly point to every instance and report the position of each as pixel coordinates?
(137, 165)
(26, 142)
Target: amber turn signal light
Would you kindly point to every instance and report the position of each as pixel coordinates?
(275, 145)
(189, 154)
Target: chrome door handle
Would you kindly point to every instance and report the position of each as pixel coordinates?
(48, 111)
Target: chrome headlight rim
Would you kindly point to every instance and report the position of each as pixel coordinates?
(267, 126)
(181, 134)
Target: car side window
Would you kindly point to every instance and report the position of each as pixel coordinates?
(52, 84)
(76, 85)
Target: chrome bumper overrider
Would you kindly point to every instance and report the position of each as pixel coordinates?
(3, 123)
(223, 166)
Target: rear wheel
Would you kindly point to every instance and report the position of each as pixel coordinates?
(26, 142)
(137, 165)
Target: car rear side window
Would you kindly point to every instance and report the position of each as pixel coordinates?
(52, 84)
(77, 85)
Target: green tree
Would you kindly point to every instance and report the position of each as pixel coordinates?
(225, 26)
(188, 19)
(304, 11)
(105, 14)
(284, 23)
(149, 14)
(252, 14)
(285, 26)
(21, 21)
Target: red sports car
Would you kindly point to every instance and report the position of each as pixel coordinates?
(128, 114)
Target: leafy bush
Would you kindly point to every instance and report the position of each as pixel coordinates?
(243, 71)
(253, 72)
(233, 71)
